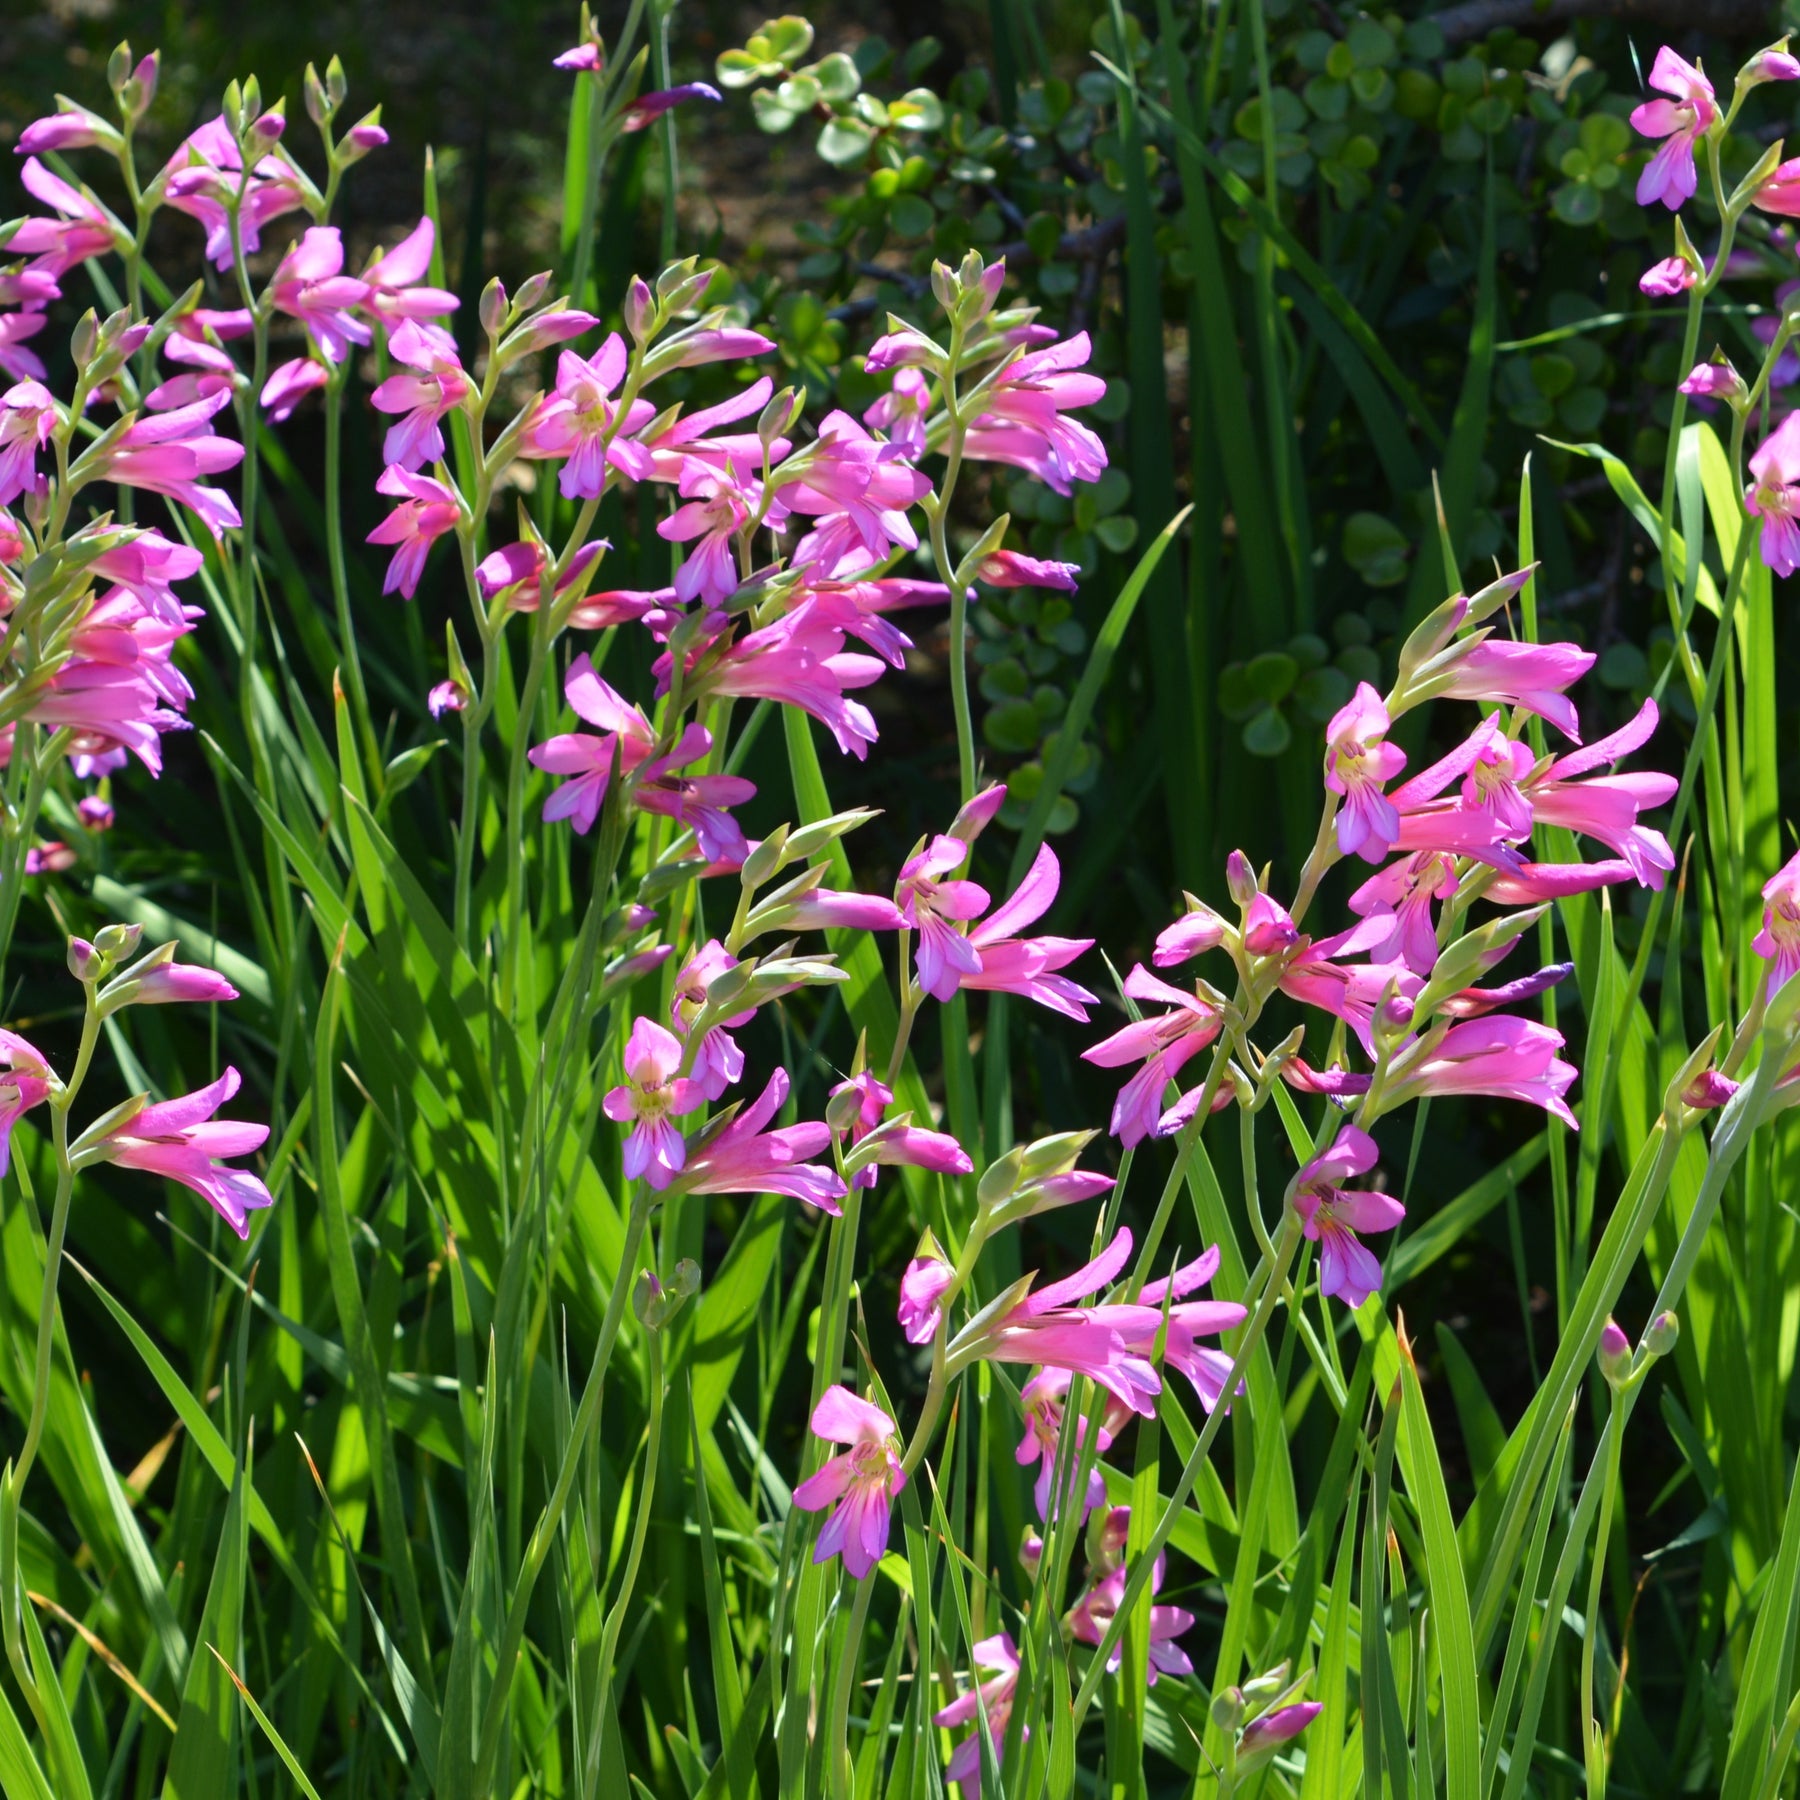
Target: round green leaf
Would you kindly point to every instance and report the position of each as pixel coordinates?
(1272, 675)
(1268, 734)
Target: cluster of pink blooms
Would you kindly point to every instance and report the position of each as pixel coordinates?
(1685, 115)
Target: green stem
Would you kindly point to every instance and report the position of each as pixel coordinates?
(837, 1740)
(340, 580)
(1590, 1733)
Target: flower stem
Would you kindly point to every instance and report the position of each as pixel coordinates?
(340, 580)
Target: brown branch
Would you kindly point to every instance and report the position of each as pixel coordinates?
(1474, 19)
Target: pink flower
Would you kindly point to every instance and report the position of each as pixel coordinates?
(27, 418)
(1022, 422)
(1011, 569)
(1779, 191)
(992, 1700)
(393, 281)
(933, 906)
(309, 285)
(1716, 381)
(858, 1486)
(289, 383)
(18, 362)
(1774, 496)
(107, 706)
(710, 522)
(1197, 930)
(1163, 1043)
(1779, 940)
(84, 229)
(1187, 1320)
(911, 1146)
(1526, 883)
(1350, 992)
(426, 511)
(1773, 64)
(176, 982)
(1044, 1397)
(902, 411)
(1395, 907)
(1673, 275)
(516, 572)
(1050, 1328)
(447, 697)
(1607, 806)
(1533, 676)
(718, 1063)
(206, 170)
(70, 127)
(921, 1291)
(824, 910)
(1010, 964)
(584, 58)
(1092, 1615)
(651, 1093)
(859, 490)
(646, 109)
(97, 815)
(1262, 1737)
(439, 388)
(181, 1140)
(25, 1081)
(579, 420)
(147, 564)
(695, 800)
(800, 661)
(1269, 928)
(1511, 1058)
(49, 858)
(1331, 1215)
(1358, 763)
(741, 1157)
(168, 455)
(1681, 122)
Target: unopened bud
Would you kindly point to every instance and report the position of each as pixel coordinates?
(269, 127)
(493, 307)
(1393, 1017)
(1000, 1179)
(1772, 64)
(85, 962)
(337, 85)
(96, 814)
(1615, 1353)
(1228, 1709)
(118, 68)
(231, 107)
(1240, 878)
(943, 286)
(778, 416)
(1268, 1685)
(1662, 1334)
(1718, 380)
(250, 101)
(85, 339)
(843, 1108)
(765, 861)
(640, 310)
(318, 102)
(532, 291)
(648, 1301)
(677, 277)
(116, 942)
(362, 137)
(1031, 1552)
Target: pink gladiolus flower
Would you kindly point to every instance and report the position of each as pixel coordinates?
(206, 171)
(147, 565)
(1164, 1043)
(426, 511)
(907, 349)
(646, 109)
(1672, 276)
(1331, 1215)
(84, 229)
(742, 1158)
(1262, 1737)
(651, 1093)
(439, 388)
(1681, 121)
(1773, 64)
(168, 455)
(49, 858)
(1511, 1058)
(18, 362)
(1010, 569)
(584, 58)
(1606, 807)
(25, 1081)
(1779, 191)
(1188, 1320)
(1778, 943)
(516, 570)
(309, 285)
(1350, 992)
(1269, 928)
(858, 489)
(1092, 1615)
(697, 800)
(179, 982)
(1022, 422)
(1358, 763)
(1716, 381)
(394, 280)
(182, 1140)
(902, 411)
(1395, 907)
(1774, 496)
(718, 1063)
(27, 418)
(800, 661)
(1050, 1328)
(698, 344)
(1533, 676)
(1197, 930)
(921, 1290)
(28, 287)
(933, 906)
(825, 910)
(70, 127)
(710, 522)
(911, 1146)
(289, 383)
(97, 815)
(1044, 1397)
(858, 1486)
(447, 697)
(992, 1700)
(579, 420)
(107, 706)
(1010, 964)
(1527, 883)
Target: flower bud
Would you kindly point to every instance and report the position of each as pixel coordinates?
(943, 286)
(136, 95)
(676, 281)
(640, 310)
(1000, 1179)
(118, 68)
(1772, 64)
(85, 339)
(1240, 878)
(778, 417)
(843, 1108)
(494, 305)
(116, 942)
(1228, 1709)
(1031, 1553)
(1263, 1737)
(648, 1301)
(1268, 1685)
(337, 85)
(96, 814)
(362, 137)
(250, 101)
(1717, 380)
(85, 962)
(765, 860)
(1393, 1017)
(231, 108)
(1615, 1354)
(532, 291)
(268, 128)
(318, 103)
(1662, 1334)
